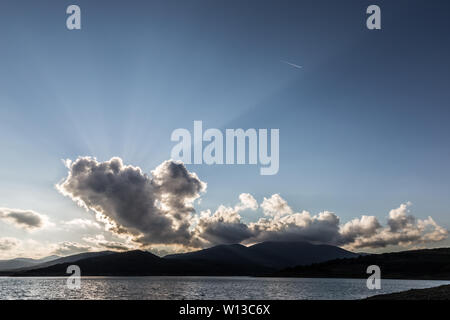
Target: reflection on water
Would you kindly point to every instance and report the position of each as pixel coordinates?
(170, 288)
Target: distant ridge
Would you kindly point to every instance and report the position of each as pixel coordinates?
(415, 264)
(24, 262)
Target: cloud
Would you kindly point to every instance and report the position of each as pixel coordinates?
(11, 248)
(69, 248)
(247, 202)
(399, 218)
(82, 224)
(157, 210)
(320, 228)
(275, 206)
(153, 209)
(292, 64)
(283, 224)
(366, 226)
(24, 219)
(402, 229)
(8, 243)
(365, 232)
(100, 242)
(224, 225)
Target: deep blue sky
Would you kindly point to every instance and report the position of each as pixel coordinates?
(363, 125)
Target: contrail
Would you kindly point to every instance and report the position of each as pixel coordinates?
(292, 64)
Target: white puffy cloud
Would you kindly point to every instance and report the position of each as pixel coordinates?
(224, 225)
(247, 202)
(432, 232)
(366, 226)
(275, 206)
(402, 229)
(399, 217)
(321, 228)
(24, 219)
(283, 224)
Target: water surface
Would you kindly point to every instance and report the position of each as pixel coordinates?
(229, 288)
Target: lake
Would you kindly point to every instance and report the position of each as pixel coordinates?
(170, 288)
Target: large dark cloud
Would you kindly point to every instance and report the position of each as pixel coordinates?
(153, 209)
(25, 219)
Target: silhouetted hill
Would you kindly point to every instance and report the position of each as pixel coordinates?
(415, 264)
(109, 264)
(219, 260)
(235, 255)
(283, 254)
(274, 255)
(141, 263)
(217, 253)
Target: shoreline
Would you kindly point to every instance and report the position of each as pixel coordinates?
(268, 276)
(435, 293)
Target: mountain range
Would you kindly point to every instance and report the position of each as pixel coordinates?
(274, 259)
(234, 259)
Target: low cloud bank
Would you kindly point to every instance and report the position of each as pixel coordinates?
(8, 243)
(158, 209)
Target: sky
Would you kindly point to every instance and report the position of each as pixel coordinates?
(364, 135)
